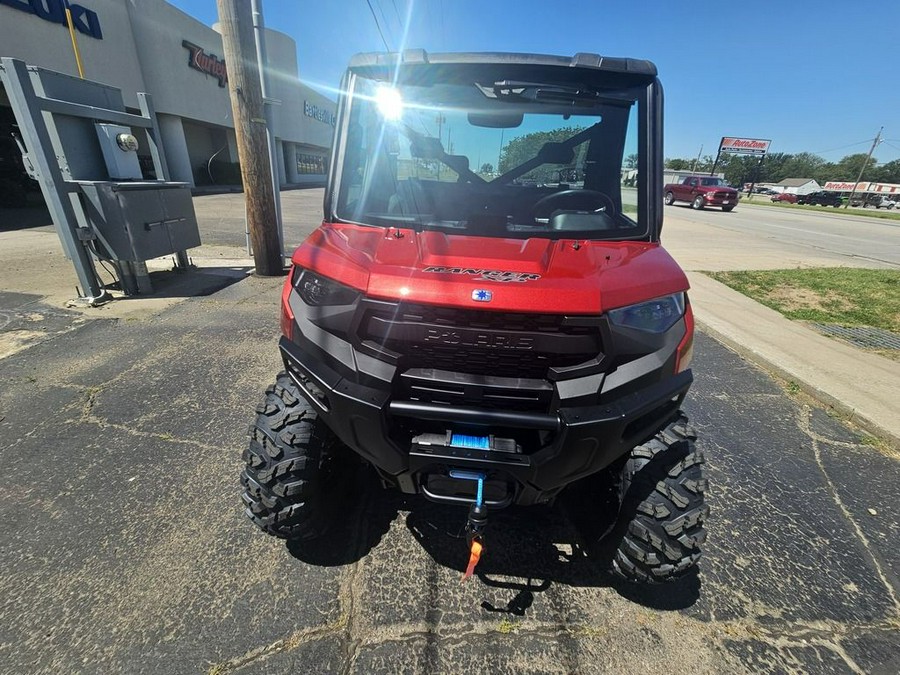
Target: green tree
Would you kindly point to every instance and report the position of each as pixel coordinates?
(738, 169)
(802, 165)
(849, 167)
(888, 173)
(678, 164)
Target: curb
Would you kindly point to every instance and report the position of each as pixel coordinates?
(851, 415)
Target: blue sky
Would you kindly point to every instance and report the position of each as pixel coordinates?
(819, 76)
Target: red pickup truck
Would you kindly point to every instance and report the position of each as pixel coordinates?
(701, 191)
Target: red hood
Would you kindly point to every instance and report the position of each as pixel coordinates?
(532, 275)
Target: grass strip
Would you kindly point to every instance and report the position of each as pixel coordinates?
(866, 213)
(842, 295)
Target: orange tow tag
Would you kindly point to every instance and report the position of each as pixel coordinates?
(474, 557)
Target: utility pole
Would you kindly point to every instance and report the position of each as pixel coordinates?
(865, 164)
(694, 165)
(236, 18)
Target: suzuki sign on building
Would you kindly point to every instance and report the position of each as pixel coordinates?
(744, 146)
(84, 20)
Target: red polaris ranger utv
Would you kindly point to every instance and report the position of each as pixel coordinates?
(486, 315)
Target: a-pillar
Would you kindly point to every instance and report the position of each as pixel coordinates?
(175, 145)
(290, 159)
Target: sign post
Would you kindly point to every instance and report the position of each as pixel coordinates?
(757, 147)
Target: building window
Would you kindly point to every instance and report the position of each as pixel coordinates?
(311, 164)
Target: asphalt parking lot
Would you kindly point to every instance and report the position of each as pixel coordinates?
(125, 548)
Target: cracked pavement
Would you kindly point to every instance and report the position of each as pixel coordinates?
(125, 548)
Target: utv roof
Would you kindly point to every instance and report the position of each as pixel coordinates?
(580, 60)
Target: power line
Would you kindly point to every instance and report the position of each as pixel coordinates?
(397, 12)
(387, 24)
(378, 25)
(822, 152)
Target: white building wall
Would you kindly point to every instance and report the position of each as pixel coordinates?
(178, 89)
(112, 60)
(175, 146)
(142, 50)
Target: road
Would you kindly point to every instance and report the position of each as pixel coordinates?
(750, 237)
(753, 237)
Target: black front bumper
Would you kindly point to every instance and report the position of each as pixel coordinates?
(582, 440)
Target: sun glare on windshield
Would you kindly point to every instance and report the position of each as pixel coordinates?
(511, 157)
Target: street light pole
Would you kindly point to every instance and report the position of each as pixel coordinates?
(865, 164)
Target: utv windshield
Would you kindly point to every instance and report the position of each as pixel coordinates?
(490, 155)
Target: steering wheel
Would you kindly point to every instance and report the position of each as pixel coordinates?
(575, 200)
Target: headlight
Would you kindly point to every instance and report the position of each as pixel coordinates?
(317, 290)
(655, 316)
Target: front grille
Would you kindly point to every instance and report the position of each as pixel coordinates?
(502, 344)
(467, 390)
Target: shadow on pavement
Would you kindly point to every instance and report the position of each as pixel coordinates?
(177, 283)
(371, 510)
(33, 215)
(527, 549)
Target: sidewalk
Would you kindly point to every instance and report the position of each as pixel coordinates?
(861, 385)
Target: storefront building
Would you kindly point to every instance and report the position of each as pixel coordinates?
(151, 46)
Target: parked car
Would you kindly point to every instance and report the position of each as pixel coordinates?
(881, 202)
(785, 197)
(821, 198)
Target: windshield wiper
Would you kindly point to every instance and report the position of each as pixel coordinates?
(428, 147)
(553, 93)
(548, 92)
(542, 158)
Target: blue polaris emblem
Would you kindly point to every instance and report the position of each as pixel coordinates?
(481, 295)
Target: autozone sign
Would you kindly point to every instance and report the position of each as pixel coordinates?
(744, 146)
(842, 186)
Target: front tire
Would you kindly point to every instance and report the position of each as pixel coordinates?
(663, 508)
(698, 202)
(296, 469)
(669, 199)
(728, 209)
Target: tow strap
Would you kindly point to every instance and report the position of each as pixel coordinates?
(477, 520)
